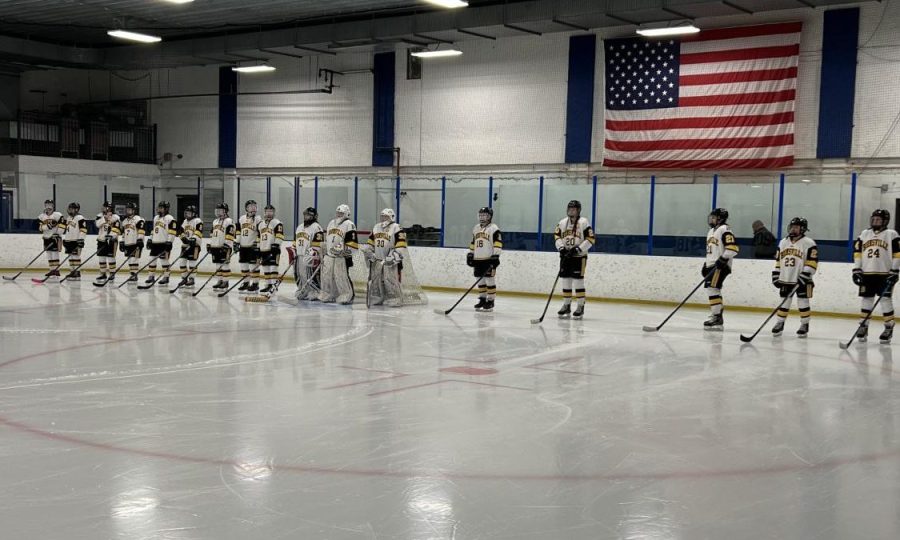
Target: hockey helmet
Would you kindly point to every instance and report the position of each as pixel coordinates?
(718, 217)
(74, 208)
(190, 212)
(885, 219)
(342, 212)
(221, 210)
(107, 207)
(250, 207)
(49, 205)
(576, 204)
(162, 208)
(130, 209)
(310, 216)
(387, 215)
(269, 211)
(800, 222)
(485, 215)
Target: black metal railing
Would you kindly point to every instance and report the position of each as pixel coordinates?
(41, 134)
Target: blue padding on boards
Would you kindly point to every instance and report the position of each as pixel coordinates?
(227, 117)
(580, 98)
(383, 115)
(838, 83)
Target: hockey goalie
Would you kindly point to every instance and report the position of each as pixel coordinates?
(391, 280)
(340, 243)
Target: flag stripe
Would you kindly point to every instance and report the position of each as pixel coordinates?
(764, 163)
(737, 99)
(739, 76)
(742, 43)
(737, 88)
(702, 112)
(704, 153)
(703, 133)
(746, 31)
(741, 54)
(700, 144)
(738, 65)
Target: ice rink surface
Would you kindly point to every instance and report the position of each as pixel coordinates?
(143, 415)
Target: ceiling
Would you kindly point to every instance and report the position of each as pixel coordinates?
(43, 34)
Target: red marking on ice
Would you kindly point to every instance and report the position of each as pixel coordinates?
(401, 389)
(538, 366)
(465, 370)
(389, 375)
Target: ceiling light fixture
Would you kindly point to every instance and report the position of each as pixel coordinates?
(179, 1)
(669, 31)
(449, 3)
(437, 54)
(134, 36)
(256, 68)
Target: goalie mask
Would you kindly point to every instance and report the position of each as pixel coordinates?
(342, 212)
(387, 216)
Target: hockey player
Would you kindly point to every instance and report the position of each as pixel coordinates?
(191, 238)
(73, 229)
(271, 235)
(221, 245)
(340, 241)
(132, 240)
(385, 251)
(720, 249)
(795, 265)
(308, 240)
(484, 257)
(249, 247)
(109, 228)
(165, 229)
(876, 267)
(48, 225)
(574, 238)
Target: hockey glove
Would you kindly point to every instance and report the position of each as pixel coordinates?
(804, 279)
(80, 243)
(470, 259)
(140, 244)
(775, 281)
(721, 263)
(122, 247)
(857, 277)
(495, 260)
(703, 270)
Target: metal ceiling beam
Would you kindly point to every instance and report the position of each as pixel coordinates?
(678, 13)
(732, 5)
(281, 53)
(314, 50)
(433, 39)
(621, 19)
(476, 34)
(570, 25)
(524, 30)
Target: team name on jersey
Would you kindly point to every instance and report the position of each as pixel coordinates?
(302, 235)
(876, 242)
(790, 252)
(247, 225)
(712, 240)
(336, 231)
(382, 235)
(482, 234)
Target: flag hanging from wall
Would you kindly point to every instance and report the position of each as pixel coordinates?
(720, 99)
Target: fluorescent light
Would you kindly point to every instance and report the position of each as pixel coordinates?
(449, 3)
(670, 31)
(178, 1)
(806, 180)
(257, 68)
(134, 36)
(437, 54)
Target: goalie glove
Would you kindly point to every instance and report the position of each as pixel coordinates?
(292, 254)
(393, 258)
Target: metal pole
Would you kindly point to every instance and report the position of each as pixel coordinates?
(490, 191)
(443, 208)
(540, 229)
(780, 205)
(594, 207)
(715, 192)
(652, 204)
(852, 217)
(316, 192)
(356, 200)
(397, 198)
(268, 190)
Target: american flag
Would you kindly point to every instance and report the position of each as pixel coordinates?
(720, 99)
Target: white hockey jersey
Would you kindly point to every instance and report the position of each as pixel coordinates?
(249, 232)
(132, 229)
(222, 234)
(720, 243)
(108, 227)
(340, 237)
(308, 238)
(486, 241)
(192, 228)
(164, 229)
(877, 253)
(385, 238)
(271, 235)
(48, 223)
(570, 235)
(795, 257)
(73, 228)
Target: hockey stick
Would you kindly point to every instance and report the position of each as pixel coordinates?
(746, 339)
(549, 299)
(370, 264)
(77, 268)
(265, 298)
(50, 274)
(38, 256)
(862, 323)
(189, 274)
(155, 281)
(219, 269)
(461, 298)
(683, 302)
(111, 276)
(141, 269)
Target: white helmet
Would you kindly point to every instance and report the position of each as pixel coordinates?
(342, 212)
(387, 216)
